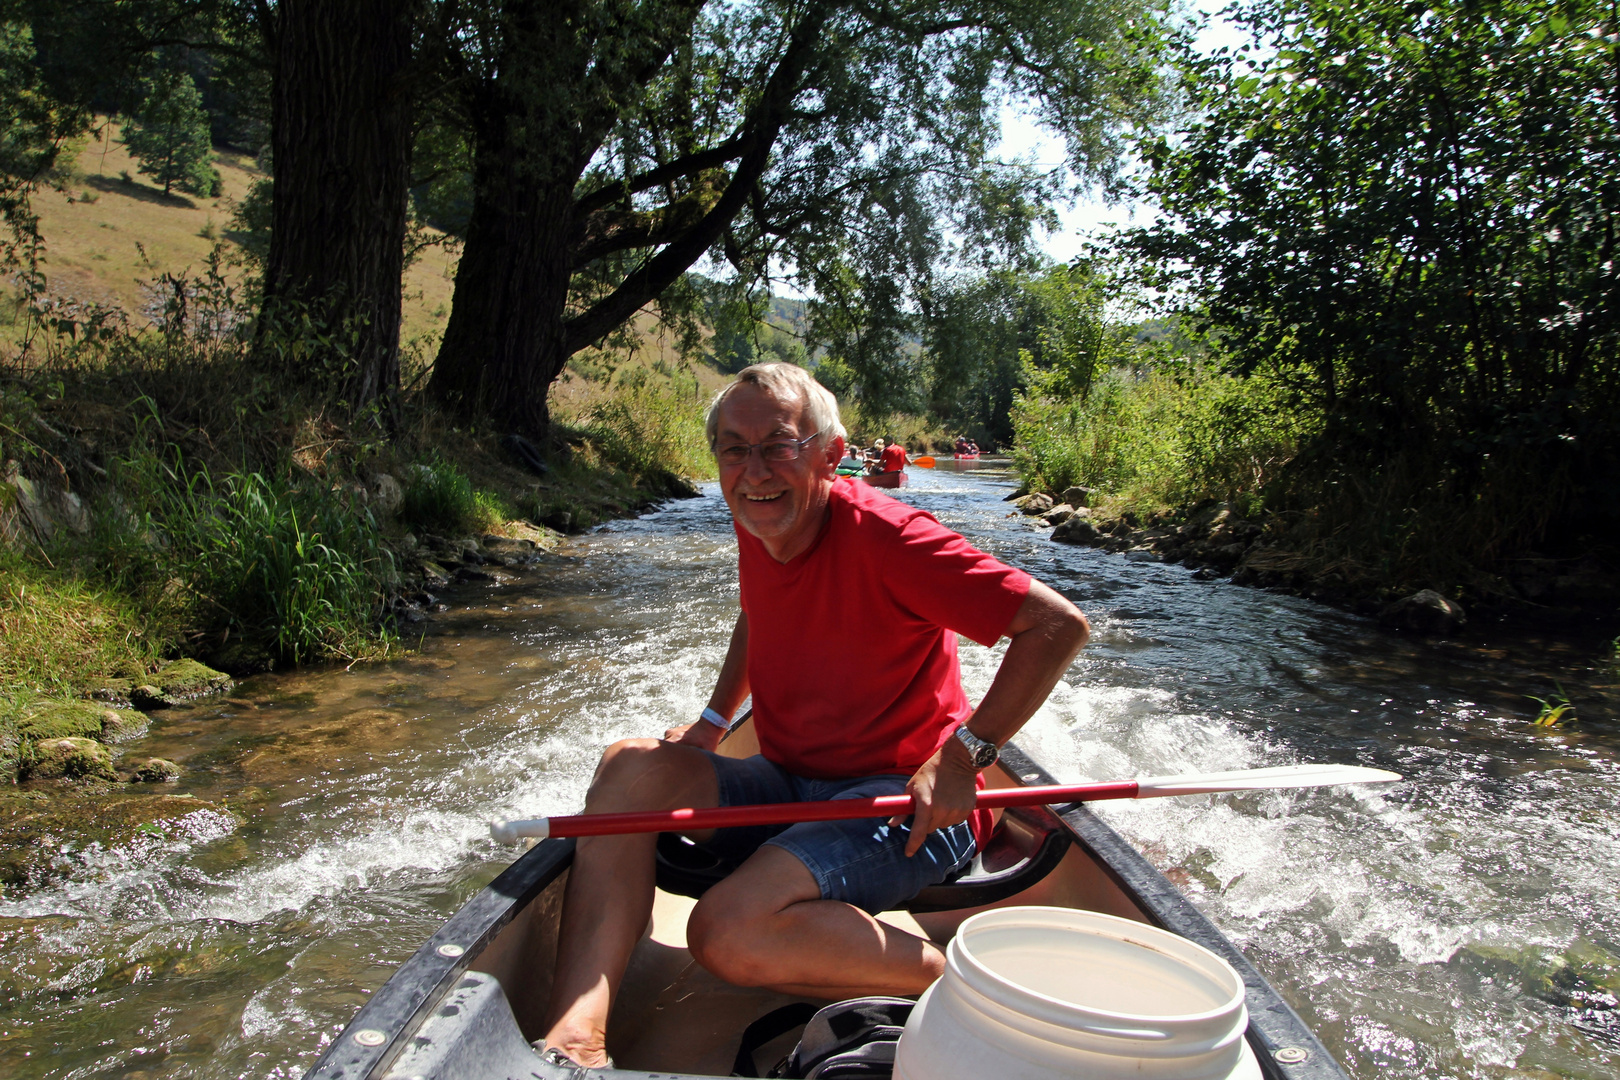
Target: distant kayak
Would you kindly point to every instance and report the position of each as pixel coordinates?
(886, 479)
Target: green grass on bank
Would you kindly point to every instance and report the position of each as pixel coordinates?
(1155, 441)
(231, 517)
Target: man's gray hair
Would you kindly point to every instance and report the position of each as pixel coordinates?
(784, 382)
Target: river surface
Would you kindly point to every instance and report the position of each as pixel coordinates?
(1465, 923)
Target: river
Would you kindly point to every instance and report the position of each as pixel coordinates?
(1465, 923)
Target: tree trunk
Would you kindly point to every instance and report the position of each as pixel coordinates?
(341, 142)
(505, 341)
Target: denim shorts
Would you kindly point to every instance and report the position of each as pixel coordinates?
(861, 862)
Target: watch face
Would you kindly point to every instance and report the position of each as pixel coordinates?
(981, 753)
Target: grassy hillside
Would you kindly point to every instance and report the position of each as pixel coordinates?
(110, 231)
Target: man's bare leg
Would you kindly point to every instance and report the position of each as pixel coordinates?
(766, 925)
(610, 887)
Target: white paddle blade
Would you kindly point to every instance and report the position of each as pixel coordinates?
(509, 832)
(1283, 776)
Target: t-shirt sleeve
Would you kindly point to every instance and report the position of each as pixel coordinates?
(935, 574)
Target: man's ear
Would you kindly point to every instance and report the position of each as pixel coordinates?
(835, 451)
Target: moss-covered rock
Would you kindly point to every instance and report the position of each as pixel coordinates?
(183, 680)
(71, 758)
(64, 719)
(153, 770)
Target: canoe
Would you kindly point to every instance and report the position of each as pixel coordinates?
(967, 457)
(886, 479)
(466, 1004)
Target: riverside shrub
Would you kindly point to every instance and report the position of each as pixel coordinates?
(1158, 439)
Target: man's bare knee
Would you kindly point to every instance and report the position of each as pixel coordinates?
(649, 774)
(728, 946)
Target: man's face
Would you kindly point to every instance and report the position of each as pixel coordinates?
(780, 502)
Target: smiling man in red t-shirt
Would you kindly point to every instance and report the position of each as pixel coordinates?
(815, 555)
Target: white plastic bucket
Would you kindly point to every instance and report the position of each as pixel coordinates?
(1037, 993)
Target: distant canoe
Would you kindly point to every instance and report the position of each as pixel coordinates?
(886, 479)
(967, 457)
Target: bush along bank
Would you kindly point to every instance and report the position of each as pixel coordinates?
(1218, 540)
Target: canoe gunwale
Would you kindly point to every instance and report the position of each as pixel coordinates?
(400, 1005)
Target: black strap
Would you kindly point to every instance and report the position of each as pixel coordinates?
(773, 1025)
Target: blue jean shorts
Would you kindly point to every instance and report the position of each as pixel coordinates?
(861, 862)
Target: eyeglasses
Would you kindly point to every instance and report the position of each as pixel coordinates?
(777, 450)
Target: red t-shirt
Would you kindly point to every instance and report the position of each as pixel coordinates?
(852, 644)
(894, 457)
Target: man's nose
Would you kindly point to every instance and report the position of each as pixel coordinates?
(757, 468)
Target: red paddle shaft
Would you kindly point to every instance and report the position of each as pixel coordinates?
(692, 820)
(725, 817)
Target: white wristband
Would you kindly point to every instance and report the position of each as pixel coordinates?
(716, 719)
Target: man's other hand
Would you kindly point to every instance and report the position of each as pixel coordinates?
(945, 790)
(703, 735)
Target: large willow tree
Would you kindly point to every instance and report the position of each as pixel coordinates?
(616, 143)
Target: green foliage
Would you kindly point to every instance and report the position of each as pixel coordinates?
(992, 336)
(845, 141)
(289, 569)
(1555, 711)
(169, 134)
(63, 629)
(648, 427)
(1161, 438)
(438, 498)
(1406, 214)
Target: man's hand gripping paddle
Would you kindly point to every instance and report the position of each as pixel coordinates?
(1154, 787)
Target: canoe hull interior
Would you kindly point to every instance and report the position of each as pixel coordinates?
(470, 1014)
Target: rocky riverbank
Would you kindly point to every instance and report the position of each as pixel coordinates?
(1218, 541)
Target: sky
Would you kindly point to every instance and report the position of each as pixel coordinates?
(1024, 139)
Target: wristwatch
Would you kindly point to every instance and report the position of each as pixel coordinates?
(983, 754)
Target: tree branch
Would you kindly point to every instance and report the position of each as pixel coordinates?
(659, 272)
(714, 156)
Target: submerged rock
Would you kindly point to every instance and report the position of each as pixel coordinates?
(1424, 612)
(153, 771)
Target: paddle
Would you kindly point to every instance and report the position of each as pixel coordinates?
(1153, 787)
(923, 462)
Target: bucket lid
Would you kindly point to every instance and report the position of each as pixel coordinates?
(1100, 976)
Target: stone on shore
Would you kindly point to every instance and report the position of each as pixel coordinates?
(1077, 496)
(1424, 612)
(1058, 514)
(71, 758)
(1076, 530)
(183, 680)
(1034, 505)
(66, 719)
